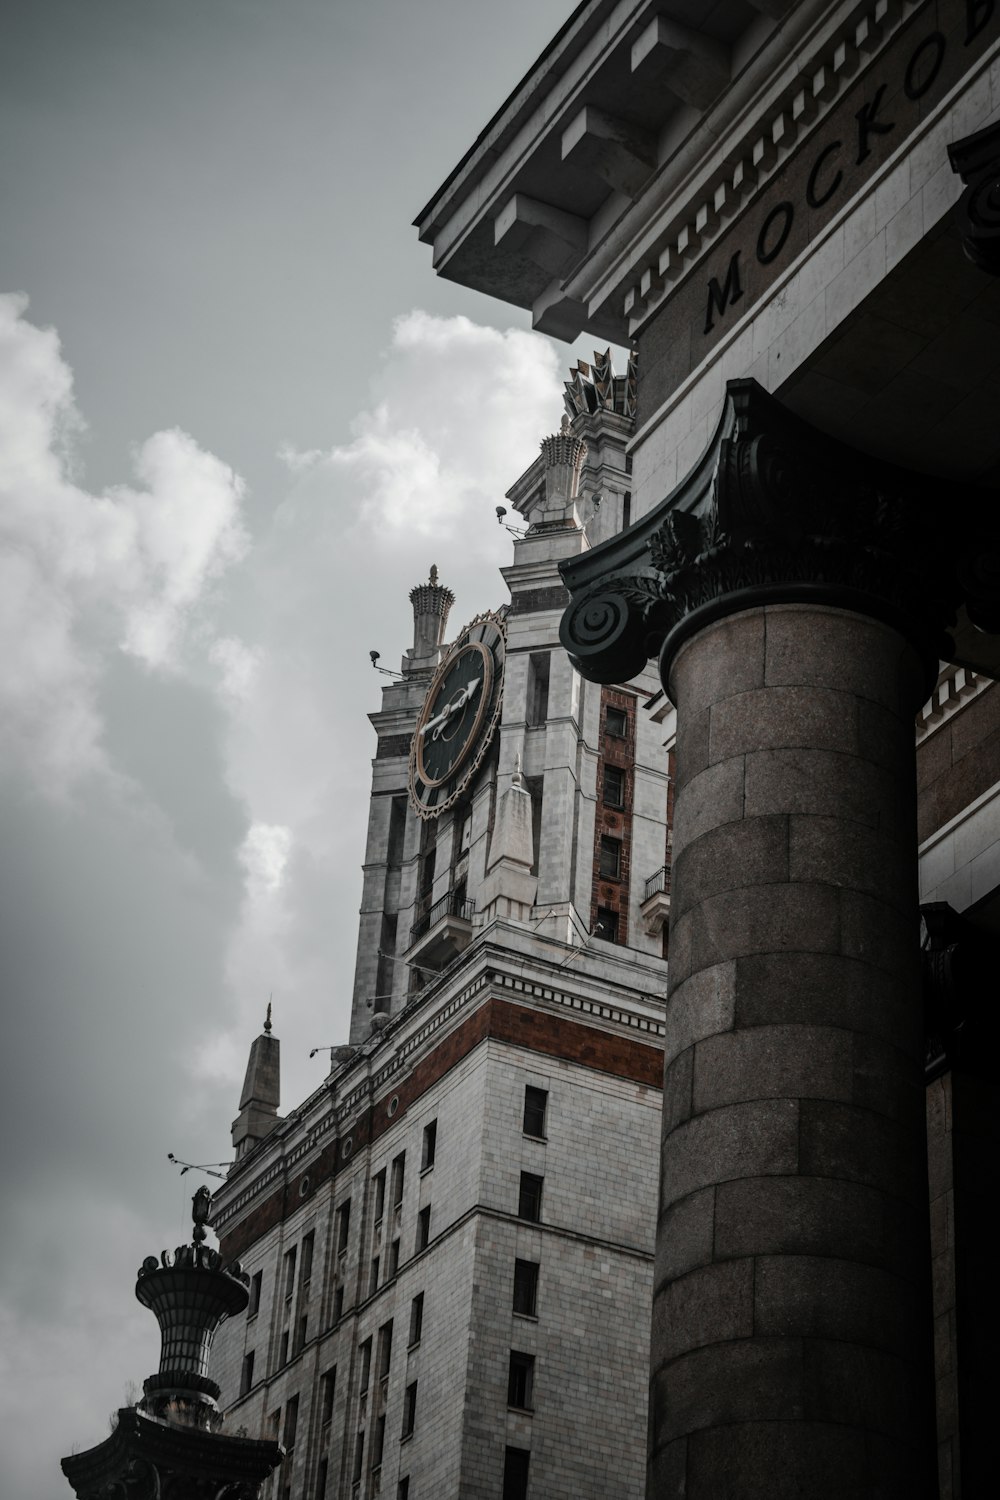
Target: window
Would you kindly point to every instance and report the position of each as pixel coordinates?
(614, 786)
(403, 1489)
(343, 1226)
(373, 1276)
(378, 1443)
(606, 926)
(515, 1473)
(416, 1319)
(398, 1171)
(321, 1479)
(535, 1101)
(610, 858)
(384, 1349)
(308, 1245)
(526, 1287)
(378, 1182)
(465, 832)
(538, 687)
(393, 1265)
(328, 1389)
(246, 1374)
(430, 1146)
(366, 1365)
(521, 1380)
(291, 1423)
(338, 1304)
(616, 723)
(290, 1273)
(409, 1409)
(423, 1228)
(359, 1458)
(255, 1290)
(529, 1199)
(301, 1333)
(283, 1351)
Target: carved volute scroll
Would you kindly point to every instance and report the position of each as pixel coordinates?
(976, 159)
(777, 512)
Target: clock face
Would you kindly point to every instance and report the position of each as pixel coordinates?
(458, 718)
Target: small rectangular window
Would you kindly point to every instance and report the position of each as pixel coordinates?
(515, 1474)
(535, 1101)
(301, 1333)
(423, 1228)
(378, 1443)
(403, 1488)
(246, 1375)
(526, 1287)
(416, 1319)
(321, 1474)
(398, 1177)
(379, 1184)
(529, 1198)
(359, 1458)
(610, 859)
(255, 1290)
(430, 1146)
(291, 1423)
(614, 786)
(616, 723)
(606, 926)
(373, 1276)
(384, 1349)
(290, 1257)
(538, 688)
(308, 1245)
(393, 1263)
(409, 1409)
(343, 1226)
(283, 1350)
(338, 1304)
(366, 1365)
(328, 1389)
(521, 1380)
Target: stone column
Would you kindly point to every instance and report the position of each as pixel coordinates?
(798, 594)
(790, 1328)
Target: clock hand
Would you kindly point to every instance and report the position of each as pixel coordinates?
(458, 702)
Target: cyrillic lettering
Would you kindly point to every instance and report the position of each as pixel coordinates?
(813, 198)
(721, 297)
(914, 87)
(868, 125)
(785, 211)
(977, 14)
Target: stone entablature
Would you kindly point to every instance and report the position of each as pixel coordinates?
(956, 686)
(598, 1017)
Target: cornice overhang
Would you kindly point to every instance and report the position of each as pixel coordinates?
(635, 140)
(776, 511)
(976, 159)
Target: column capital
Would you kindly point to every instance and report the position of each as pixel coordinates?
(776, 511)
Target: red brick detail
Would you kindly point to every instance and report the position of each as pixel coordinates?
(615, 822)
(958, 762)
(520, 1025)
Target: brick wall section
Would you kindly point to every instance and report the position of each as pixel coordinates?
(536, 1030)
(616, 822)
(958, 762)
(533, 601)
(391, 745)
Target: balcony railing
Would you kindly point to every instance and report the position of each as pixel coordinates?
(452, 904)
(657, 883)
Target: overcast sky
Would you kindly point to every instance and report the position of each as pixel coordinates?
(239, 419)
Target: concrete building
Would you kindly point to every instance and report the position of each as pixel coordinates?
(450, 1244)
(791, 208)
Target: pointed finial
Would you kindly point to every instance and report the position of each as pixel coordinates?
(564, 424)
(267, 1019)
(434, 575)
(518, 777)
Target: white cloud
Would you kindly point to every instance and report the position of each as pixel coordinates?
(81, 573)
(264, 855)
